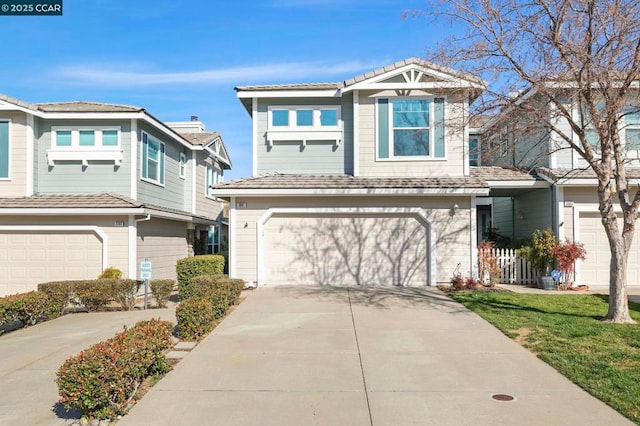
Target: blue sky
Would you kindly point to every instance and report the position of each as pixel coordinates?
(181, 58)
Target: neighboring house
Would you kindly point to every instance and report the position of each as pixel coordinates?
(552, 188)
(85, 186)
(365, 181)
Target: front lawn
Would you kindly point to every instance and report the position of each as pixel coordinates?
(566, 332)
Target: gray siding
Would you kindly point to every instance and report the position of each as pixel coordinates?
(172, 195)
(502, 216)
(72, 177)
(162, 242)
(533, 210)
(316, 157)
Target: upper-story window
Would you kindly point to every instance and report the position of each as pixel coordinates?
(632, 129)
(153, 160)
(213, 177)
(5, 149)
(504, 141)
(410, 128)
(474, 151)
(85, 138)
(183, 165)
(304, 118)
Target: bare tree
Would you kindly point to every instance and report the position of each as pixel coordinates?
(559, 57)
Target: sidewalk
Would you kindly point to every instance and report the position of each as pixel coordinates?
(31, 357)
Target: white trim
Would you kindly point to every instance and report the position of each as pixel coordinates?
(260, 192)
(315, 118)
(162, 161)
(414, 211)
(30, 154)
(132, 252)
(75, 138)
(254, 94)
(84, 156)
(254, 117)
(59, 228)
(432, 85)
(560, 212)
(194, 178)
(518, 184)
(134, 144)
(466, 167)
(232, 238)
(356, 133)
(9, 147)
(473, 225)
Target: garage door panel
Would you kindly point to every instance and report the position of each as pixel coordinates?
(345, 250)
(29, 258)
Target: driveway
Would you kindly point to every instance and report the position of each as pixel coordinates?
(362, 356)
(30, 358)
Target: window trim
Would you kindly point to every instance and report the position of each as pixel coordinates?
(75, 138)
(9, 145)
(210, 166)
(410, 158)
(162, 162)
(504, 141)
(182, 165)
(293, 126)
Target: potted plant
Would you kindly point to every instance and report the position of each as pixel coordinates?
(541, 256)
(566, 255)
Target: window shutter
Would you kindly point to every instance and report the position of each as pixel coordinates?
(438, 115)
(145, 157)
(383, 128)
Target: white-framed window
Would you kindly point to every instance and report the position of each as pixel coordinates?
(153, 160)
(410, 128)
(632, 129)
(213, 177)
(322, 117)
(5, 150)
(504, 141)
(474, 151)
(183, 165)
(85, 138)
(214, 239)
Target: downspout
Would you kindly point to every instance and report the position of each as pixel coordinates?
(144, 219)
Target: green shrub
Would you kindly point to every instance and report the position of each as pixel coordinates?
(190, 267)
(195, 317)
(94, 294)
(124, 292)
(161, 290)
(102, 380)
(111, 272)
(60, 295)
(29, 308)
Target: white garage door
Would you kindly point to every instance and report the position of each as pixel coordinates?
(595, 269)
(345, 250)
(30, 258)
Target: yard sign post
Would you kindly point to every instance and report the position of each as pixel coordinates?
(145, 274)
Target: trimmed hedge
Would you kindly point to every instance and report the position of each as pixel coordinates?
(161, 290)
(95, 294)
(196, 318)
(28, 308)
(60, 295)
(123, 292)
(189, 267)
(101, 380)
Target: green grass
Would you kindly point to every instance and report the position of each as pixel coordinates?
(567, 333)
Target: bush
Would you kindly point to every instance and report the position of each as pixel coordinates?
(60, 295)
(190, 267)
(161, 290)
(123, 292)
(195, 317)
(211, 288)
(457, 282)
(94, 294)
(111, 272)
(28, 308)
(102, 380)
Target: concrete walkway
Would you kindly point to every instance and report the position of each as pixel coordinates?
(30, 358)
(362, 356)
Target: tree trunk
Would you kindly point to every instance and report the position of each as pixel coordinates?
(618, 301)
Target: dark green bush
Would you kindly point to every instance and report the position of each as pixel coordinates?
(162, 290)
(94, 294)
(195, 317)
(101, 380)
(123, 292)
(60, 295)
(28, 308)
(190, 267)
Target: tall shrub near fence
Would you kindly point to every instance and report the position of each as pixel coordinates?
(190, 267)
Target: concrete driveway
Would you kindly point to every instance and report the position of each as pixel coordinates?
(30, 358)
(362, 356)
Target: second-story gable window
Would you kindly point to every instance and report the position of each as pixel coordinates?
(153, 160)
(410, 128)
(213, 177)
(304, 118)
(85, 138)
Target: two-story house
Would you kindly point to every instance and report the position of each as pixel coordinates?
(555, 187)
(85, 186)
(365, 181)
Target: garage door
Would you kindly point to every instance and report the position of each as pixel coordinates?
(29, 258)
(345, 250)
(595, 269)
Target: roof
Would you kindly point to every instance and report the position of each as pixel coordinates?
(330, 183)
(477, 121)
(557, 174)
(85, 106)
(299, 86)
(86, 201)
(502, 174)
(202, 138)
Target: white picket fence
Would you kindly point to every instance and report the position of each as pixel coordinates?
(514, 269)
